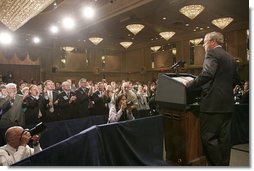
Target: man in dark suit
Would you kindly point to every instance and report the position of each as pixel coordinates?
(33, 105)
(219, 75)
(100, 100)
(82, 94)
(49, 95)
(67, 102)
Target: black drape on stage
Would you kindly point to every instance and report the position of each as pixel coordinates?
(129, 143)
(60, 130)
(240, 124)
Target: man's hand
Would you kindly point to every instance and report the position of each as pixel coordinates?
(36, 139)
(25, 138)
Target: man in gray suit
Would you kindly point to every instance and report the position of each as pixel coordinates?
(11, 108)
(218, 75)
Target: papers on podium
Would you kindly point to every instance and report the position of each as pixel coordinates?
(182, 79)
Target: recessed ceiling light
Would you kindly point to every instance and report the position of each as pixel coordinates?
(68, 23)
(88, 12)
(36, 40)
(164, 18)
(54, 29)
(5, 38)
(187, 24)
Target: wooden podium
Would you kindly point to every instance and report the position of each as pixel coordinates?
(181, 121)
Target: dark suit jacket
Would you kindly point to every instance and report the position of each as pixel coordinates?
(66, 110)
(99, 104)
(82, 102)
(31, 107)
(50, 116)
(219, 73)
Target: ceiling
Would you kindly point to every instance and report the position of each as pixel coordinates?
(112, 16)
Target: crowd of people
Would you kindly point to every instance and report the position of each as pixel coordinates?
(30, 103)
(124, 100)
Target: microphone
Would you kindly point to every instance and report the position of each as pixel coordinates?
(177, 64)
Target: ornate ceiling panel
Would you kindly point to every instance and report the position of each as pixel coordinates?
(15, 13)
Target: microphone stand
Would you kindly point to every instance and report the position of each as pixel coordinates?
(175, 66)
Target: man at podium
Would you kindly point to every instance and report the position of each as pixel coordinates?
(219, 74)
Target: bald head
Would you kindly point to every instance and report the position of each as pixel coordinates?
(13, 134)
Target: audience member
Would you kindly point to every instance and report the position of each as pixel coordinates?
(82, 94)
(244, 99)
(33, 106)
(17, 147)
(67, 102)
(121, 111)
(50, 98)
(11, 108)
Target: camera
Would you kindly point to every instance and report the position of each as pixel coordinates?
(130, 103)
(39, 128)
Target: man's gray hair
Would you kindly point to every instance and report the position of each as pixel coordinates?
(216, 36)
(10, 85)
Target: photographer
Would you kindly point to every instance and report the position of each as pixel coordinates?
(17, 147)
(121, 110)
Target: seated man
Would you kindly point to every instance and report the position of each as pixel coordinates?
(17, 147)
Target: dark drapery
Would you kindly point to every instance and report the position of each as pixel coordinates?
(129, 143)
(240, 124)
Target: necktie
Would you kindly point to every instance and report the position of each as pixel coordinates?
(51, 100)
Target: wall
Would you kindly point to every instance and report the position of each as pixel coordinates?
(131, 64)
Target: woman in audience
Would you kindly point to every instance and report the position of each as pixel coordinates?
(121, 111)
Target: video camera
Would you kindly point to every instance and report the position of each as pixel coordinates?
(39, 128)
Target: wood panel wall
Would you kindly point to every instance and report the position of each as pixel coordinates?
(132, 64)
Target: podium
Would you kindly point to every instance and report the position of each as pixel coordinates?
(181, 125)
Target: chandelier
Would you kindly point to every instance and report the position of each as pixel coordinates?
(192, 11)
(95, 40)
(155, 48)
(222, 22)
(135, 28)
(68, 48)
(167, 35)
(16, 13)
(126, 44)
(196, 41)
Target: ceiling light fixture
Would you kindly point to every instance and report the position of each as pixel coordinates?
(174, 51)
(126, 44)
(68, 48)
(63, 60)
(155, 48)
(192, 11)
(16, 13)
(135, 28)
(54, 29)
(88, 12)
(222, 22)
(167, 35)
(95, 40)
(5, 38)
(36, 40)
(68, 23)
(196, 41)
